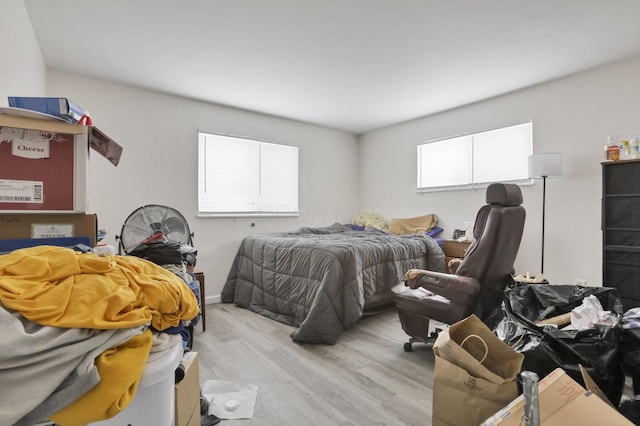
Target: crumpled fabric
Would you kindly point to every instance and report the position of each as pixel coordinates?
(60, 287)
(120, 370)
(631, 318)
(43, 369)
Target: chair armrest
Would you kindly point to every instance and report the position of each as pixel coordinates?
(456, 288)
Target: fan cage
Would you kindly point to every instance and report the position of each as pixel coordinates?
(153, 220)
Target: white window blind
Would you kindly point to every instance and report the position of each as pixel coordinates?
(244, 177)
(498, 155)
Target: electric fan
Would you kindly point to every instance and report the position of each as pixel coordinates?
(151, 223)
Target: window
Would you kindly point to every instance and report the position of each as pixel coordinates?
(244, 177)
(499, 155)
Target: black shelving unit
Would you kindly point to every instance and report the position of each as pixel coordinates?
(621, 229)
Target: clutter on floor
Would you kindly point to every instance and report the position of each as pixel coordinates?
(229, 400)
(474, 366)
(207, 419)
(576, 339)
(106, 297)
(521, 324)
(88, 335)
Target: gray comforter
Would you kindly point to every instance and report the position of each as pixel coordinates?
(318, 279)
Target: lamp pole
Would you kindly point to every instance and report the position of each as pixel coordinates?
(544, 166)
(544, 196)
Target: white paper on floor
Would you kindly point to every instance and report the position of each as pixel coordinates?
(230, 400)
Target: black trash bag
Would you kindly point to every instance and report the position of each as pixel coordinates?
(546, 348)
(630, 409)
(159, 252)
(630, 357)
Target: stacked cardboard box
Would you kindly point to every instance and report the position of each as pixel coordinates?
(44, 163)
(187, 410)
(60, 229)
(44, 168)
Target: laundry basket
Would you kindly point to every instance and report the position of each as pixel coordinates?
(153, 403)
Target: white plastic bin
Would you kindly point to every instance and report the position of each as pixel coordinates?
(153, 404)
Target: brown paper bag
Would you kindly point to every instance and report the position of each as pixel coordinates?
(475, 374)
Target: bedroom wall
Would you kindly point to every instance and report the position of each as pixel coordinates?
(23, 70)
(159, 133)
(573, 115)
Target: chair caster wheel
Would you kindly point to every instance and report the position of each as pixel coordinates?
(408, 347)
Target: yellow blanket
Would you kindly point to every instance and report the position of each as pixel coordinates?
(120, 370)
(60, 287)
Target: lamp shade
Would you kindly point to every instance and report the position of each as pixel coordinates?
(545, 165)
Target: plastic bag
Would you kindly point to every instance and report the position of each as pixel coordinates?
(546, 347)
(590, 313)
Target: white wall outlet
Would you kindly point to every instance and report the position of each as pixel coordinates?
(580, 281)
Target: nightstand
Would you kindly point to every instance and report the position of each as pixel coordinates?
(455, 249)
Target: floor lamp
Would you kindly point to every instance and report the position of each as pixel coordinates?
(544, 166)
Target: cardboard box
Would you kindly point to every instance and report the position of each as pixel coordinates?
(7, 246)
(44, 163)
(187, 409)
(562, 402)
(15, 226)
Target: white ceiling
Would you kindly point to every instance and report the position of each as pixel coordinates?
(354, 65)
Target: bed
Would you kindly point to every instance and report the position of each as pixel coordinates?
(320, 280)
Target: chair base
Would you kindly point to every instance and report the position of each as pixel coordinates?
(417, 327)
(414, 324)
(408, 346)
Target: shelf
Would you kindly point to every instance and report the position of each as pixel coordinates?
(627, 249)
(613, 162)
(621, 229)
(621, 263)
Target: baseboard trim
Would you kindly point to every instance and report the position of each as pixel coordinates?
(210, 300)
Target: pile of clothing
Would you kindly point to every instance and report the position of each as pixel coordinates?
(78, 329)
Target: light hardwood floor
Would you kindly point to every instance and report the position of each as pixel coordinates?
(366, 378)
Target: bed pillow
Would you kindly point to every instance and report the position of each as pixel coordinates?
(413, 225)
(371, 220)
(434, 231)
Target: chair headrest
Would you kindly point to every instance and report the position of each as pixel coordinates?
(506, 194)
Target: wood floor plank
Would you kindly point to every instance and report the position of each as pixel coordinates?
(366, 378)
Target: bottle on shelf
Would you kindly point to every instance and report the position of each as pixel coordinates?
(635, 147)
(625, 150)
(612, 149)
